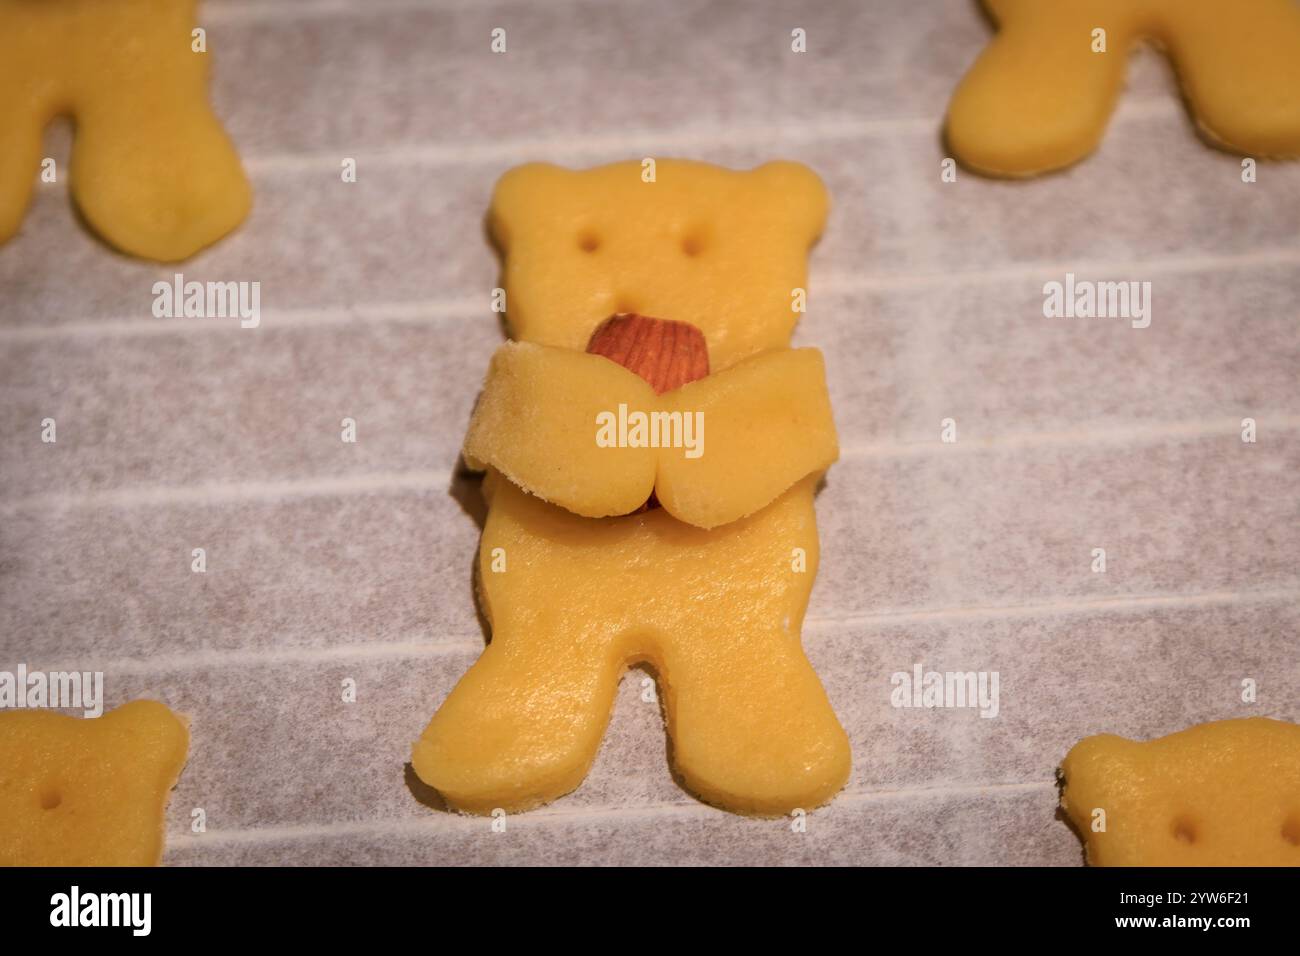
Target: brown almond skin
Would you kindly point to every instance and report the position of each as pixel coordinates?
(664, 352)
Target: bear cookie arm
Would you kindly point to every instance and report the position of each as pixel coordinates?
(153, 172)
(578, 577)
(768, 421)
(1040, 95)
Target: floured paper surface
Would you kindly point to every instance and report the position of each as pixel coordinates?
(330, 562)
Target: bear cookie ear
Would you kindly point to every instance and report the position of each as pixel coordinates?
(531, 199)
(1099, 762)
(794, 194)
(1099, 778)
(539, 200)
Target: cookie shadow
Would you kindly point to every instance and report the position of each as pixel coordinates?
(1064, 817)
(424, 794)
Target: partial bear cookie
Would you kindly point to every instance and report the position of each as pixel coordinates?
(78, 792)
(1225, 793)
(1040, 95)
(152, 171)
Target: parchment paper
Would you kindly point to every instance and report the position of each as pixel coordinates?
(329, 561)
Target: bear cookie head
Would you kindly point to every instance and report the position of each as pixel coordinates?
(88, 792)
(722, 250)
(1225, 793)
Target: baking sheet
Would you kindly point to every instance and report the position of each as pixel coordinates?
(328, 561)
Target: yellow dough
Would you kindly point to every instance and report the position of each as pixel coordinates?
(152, 169)
(767, 424)
(1219, 794)
(1039, 98)
(711, 588)
(77, 792)
(719, 249)
(717, 613)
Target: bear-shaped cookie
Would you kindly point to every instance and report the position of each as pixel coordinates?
(1226, 793)
(87, 792)
(1040, 95)
(153, 172)
(709, 587)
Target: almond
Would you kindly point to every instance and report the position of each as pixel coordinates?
(665, 353)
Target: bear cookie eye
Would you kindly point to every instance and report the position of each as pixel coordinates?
(1184, 830)
(588, 241)
(693, 244)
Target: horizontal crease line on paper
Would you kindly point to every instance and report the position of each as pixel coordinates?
(469, 645)
(210, 659)
(441, 822)
(829, 285)
(1118, 603)
(420, 480)
(634, 142)
(1229, 427)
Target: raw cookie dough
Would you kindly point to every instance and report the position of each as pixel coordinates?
(77, 792)
(1039, 98)
(152, 171)
(719, 249)
(739, 469)
(711, 588)
(1225, 793)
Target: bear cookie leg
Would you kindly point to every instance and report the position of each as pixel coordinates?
(752, 729)
(524, 724)
(153, 171)
(1040, 95)
(1241, 74)
(19, 161)
(155, 175)
(998, 123)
